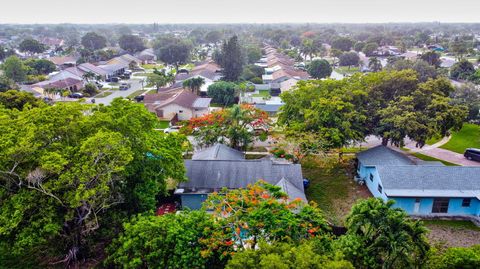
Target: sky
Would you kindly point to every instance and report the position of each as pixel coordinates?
(237, 11)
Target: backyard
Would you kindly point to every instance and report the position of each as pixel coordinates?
(452, 233)
(262, 93)
(332, 186)
(432, 159)
(467, 137)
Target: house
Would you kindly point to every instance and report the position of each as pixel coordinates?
(63, 62)
(219, 167)
(113, 70)
(209, 71)
(70, 84)
(77, 72)
(126, 61)
(284, 74)
(147, 56)
(423, 189)
(177, 105)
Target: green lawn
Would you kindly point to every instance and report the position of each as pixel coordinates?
(152, 91)
(431, 159)
(140, 74)
(103, 94)
(434, 140)
(162, 124)
(332, 186)
(344, 70)
(262, 93)
(151, 66)
(467, 137)
(455, 224)
(135, 93)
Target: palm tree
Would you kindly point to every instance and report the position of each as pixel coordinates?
(160, 78)
(374, 64)
(194, 84)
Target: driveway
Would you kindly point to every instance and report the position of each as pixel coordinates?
(136, 85)
(430, 150)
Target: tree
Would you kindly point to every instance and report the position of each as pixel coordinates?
(31, 46)
(168, 241)
(309, 48)
(359, 46)
(231, 59)
(462, 70)
(213, 36)
(456, 258)
(342, 43)
(254, 53)
(40, 66)
(87, 169)
(14, 69)
(13, 99)
(90, 89)
(319, 69)
(262, 212)
(374, 64)
(194, 84)
(131, 43)
(424, 70)
(93, 41)
(233, 126)
(222, 92)
(381, 236)
(160, 78)
(7, 84)
(173, 51)
(349, 59)
(287, 255)
(370, 48)
(432, 58)
(468, 95)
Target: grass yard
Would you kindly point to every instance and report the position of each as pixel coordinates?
(151, 66)
(453, 233)
(431, 159)
(433, 140)
(152, 91)
(135, 93)
(140, 74)
(344, 70)
(162, 124)
(103, 94)
(332, 186)
(262, 93)
(467, 137)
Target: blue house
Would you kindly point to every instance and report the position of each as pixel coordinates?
(423, 189)
(219, 167)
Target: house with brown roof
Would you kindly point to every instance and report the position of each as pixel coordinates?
(63, 62)
(209, 71)
(70, 84)
(177, 105)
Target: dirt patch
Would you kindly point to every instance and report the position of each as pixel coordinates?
(453, 236)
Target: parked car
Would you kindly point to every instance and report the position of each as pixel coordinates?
(124, 86)
(172, 129)
(472, 154)
(139, 98)
(112, 79)
(76, 95)
(98, 84)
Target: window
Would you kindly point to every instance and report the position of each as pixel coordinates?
(380, 188)
(417, 200)
(371, 177)
(180, 111)
(466, 202)
(440, 205)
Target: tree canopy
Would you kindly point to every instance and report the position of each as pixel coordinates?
(173, 51)
(231, 59)
(222, 92)
(320, 69)
(31, 46)
(93, 41)
(131, 43)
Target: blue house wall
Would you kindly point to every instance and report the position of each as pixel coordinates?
(372, 184)
(408, 203)
(426, 203)
(193, 201)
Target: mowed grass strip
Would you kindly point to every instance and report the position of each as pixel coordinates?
(467, 137)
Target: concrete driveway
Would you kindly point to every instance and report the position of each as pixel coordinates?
(135, 86)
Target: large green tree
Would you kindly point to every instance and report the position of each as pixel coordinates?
(319, 69)
(342, 43)
(231, 59)
(131, 43)
(67, 170)
(382, 236)
(173, 51)
(222, 92)
(15, 69)
(194, 84)
(93, 41)
(462, 70)
(31, 46)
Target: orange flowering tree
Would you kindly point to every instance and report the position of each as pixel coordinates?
(236, 126)
(261, 212)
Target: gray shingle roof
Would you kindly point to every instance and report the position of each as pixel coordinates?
(234, 174)
(218, 152)
(422, 180)
(381, 155)
(202, 103)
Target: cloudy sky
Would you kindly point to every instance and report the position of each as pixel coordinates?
(237, 11)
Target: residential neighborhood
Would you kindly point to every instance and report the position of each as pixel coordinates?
(240, 135)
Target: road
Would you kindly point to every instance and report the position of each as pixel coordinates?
(136, 85)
